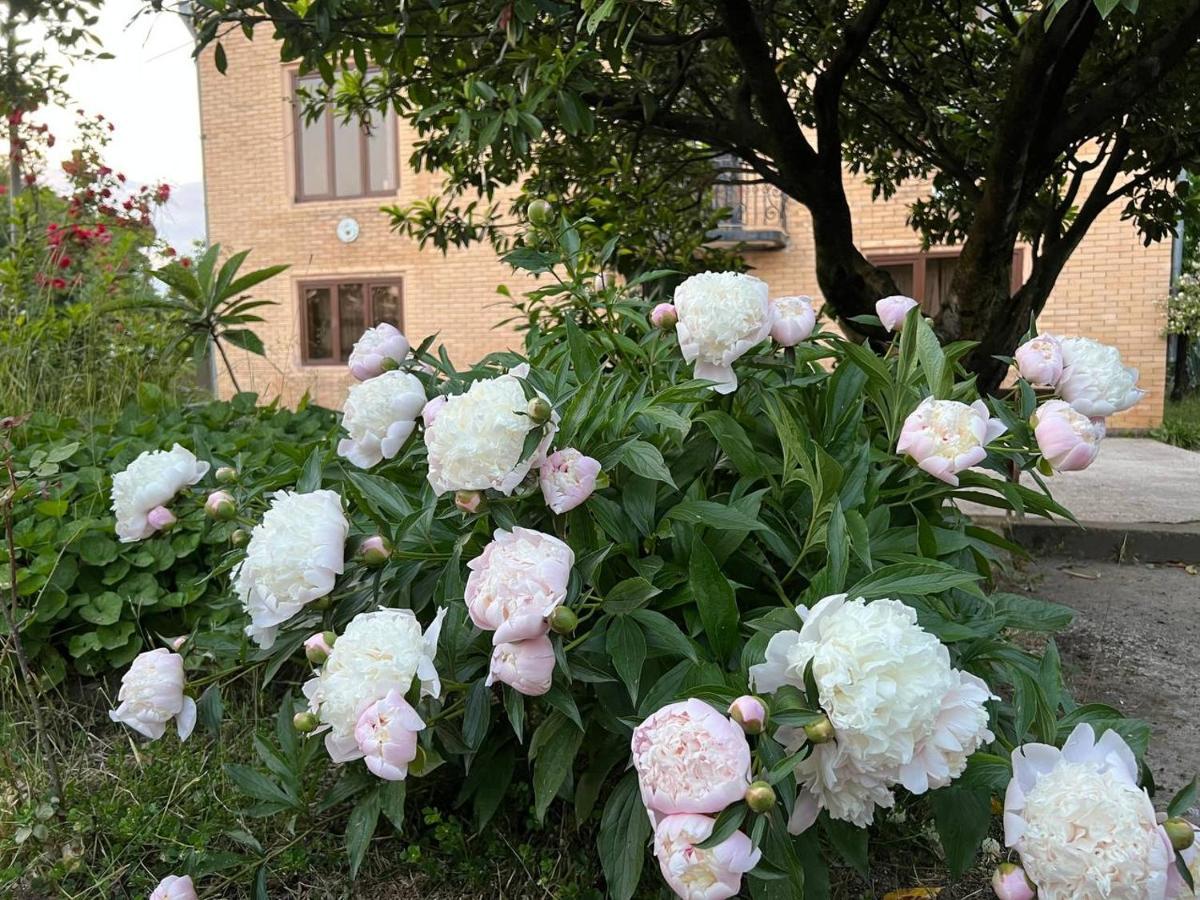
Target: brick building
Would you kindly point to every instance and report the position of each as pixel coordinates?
(310, 195)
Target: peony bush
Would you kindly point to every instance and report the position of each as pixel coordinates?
(698, 573)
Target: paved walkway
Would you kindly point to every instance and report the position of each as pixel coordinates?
(1132, 481)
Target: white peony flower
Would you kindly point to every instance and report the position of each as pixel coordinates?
(475, 440)
(945, 437)
(150, 481)
(378, 349)
(900, 712)
(294, 557)
(1094, 380)
(1083, 827)
(379, 415)
(379, 652)
(152, 694)
(721, 316)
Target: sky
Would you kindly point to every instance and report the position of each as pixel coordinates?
(148, 91)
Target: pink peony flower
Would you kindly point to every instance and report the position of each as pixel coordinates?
(160, 519)
(568, 479)
(792, 320)
(944, 437)
(1009, 883)
(516, 583)
(379, 349)
(664, 316)
(1068, 439)
(152, 694)
(749, 712)
(174, 887)
(431, 409)
(695, 874)
(690, 759)
(722, 315)
(1040, 360)
(318, 647)
(387, 736)
(526, 666)
(892, 311)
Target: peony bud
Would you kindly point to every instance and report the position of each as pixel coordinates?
(1181, 833)
(305, 722)
(240, 538)
(226, 475)
(1040, 360)
(792, 320)
(1010, 882)
(892, 311)
(760, 797)
(220, 506)
(1069, 440)
(664, 316)
(563, 620)
(525, 666)
(539, 410)
(431, 409)
(161, 519)
(540, 213)
(318, 647)
(820, 731)
(749, 712)
(375, 551)
(176, 643)
(469, 502)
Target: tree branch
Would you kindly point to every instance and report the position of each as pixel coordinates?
(827, 92)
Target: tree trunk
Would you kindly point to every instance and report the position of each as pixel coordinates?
(1179, 378)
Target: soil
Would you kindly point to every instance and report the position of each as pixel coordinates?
(1135, 645)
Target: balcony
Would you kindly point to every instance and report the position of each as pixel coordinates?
(757, 217)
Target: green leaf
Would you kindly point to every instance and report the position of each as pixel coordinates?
(553, 749)
(663, 634)
(938, 375)
(245, 339)
(361, 828)
(478, 714)
(962, 814)
(310, 475)
(626, 646)
(912, 578)
(713, 515)
(714, 599)
(1184, 800)
(850, 841)
(255, 784)
(583, 357)
(621, 842)
(629, 595)
(391, 803)
(104, 609)
(383, 496)
(734, 442)
(210, 709)
(645, 459)
(729, 821)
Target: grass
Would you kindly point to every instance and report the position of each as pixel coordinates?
(1181, 423)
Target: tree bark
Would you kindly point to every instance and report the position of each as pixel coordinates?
(1179, 377)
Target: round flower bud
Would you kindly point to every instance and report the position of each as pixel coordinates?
(388, 365)
(567, 479)
(749, 712)
(318, 647)
(226, 475)
(152, 694)
(1010, 882)
(306, 721)
(563, 620)
(240, 537)
(792, 320)
(1040, 360)
(664, 316)
(160, 519)
(1068, 439)
(1180, 832)
(820, 731)
(892, 311)
(469, 501)
(220, 505)
(760, 797)
(375, 551)
(540, 213)
(539, 410)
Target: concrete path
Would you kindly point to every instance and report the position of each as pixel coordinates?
(1132, 481)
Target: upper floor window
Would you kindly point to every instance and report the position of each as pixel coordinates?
(336, 159)
(334, 314)
(926, 277)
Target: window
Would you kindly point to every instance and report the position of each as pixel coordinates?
(334, 314)
(926, 277)
(336, 159)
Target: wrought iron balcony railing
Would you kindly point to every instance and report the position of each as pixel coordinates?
(757, 213)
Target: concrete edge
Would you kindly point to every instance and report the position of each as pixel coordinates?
(1151, 542)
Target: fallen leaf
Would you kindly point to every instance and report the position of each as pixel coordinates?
(917, 893)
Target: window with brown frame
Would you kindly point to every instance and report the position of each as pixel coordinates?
(336, 159)
(335, 313)
(926, 276)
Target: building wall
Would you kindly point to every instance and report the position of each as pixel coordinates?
(1110, 290)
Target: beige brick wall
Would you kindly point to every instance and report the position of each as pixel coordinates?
(1109, 291)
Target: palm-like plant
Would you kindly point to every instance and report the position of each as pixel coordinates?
(211, 306)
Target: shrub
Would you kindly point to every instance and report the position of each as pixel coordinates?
(93, 603)
(714, 515)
